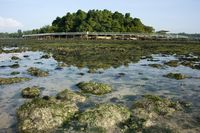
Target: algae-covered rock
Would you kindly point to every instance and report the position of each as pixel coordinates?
(15, 73)
(46, 56)
(104, 116)
(31, 92)
(37, 72)
(14, 66)
(149, 108)
(15, 58)
(177, 76)
(42, 115)
(172, 63)
(4, 81)
(68, 95)
(156, 65)
(94, 88)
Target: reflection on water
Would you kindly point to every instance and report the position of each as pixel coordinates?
(128, 82)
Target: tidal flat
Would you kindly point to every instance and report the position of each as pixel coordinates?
(153, 86)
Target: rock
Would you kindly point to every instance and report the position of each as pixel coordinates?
(104, 116)
(41, 115)
(31, 92)
(177, 76)
(59, 68)
(155, 65)
(37, 72)
(15, 58)
(14, 66)
(94, 88)
(4, 81)
(147, 110)
(82, 74)
(172, 63)
(15, 73)
(46, 56)
(26, 56)
(68, 95)
(188, 64)
(94, 70)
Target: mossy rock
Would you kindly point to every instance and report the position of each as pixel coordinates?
(37, 72)
(151, 107)
(31, 92)
(158, 129)
(156, 65)
(46, 56)
(14, 73)
(104, 116)
(94, 88)
(15, 58)
(188, 64)
(67, 95)
(177, 76)
(14, 66)
(42, 115)
(4, 81)
(172, 63)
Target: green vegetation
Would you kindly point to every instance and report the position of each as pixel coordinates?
(4, 81)
(95, 21)
(94, 88)
(105, 54)
(31, 92)
(37, 72)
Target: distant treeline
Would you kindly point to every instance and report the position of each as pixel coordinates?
(17, 34)
(95, 21)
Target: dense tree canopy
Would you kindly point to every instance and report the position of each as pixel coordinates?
(92, 21)
(96, 21)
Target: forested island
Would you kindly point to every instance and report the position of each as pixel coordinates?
(96, 21)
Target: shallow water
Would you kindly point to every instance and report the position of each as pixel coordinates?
(138, 79)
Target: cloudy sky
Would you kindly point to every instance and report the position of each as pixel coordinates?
(172, 15)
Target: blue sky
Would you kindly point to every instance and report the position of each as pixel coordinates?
(172, 15)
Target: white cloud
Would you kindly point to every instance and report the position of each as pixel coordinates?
(9, 23)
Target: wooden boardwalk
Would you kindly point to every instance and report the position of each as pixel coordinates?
(102, 36)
